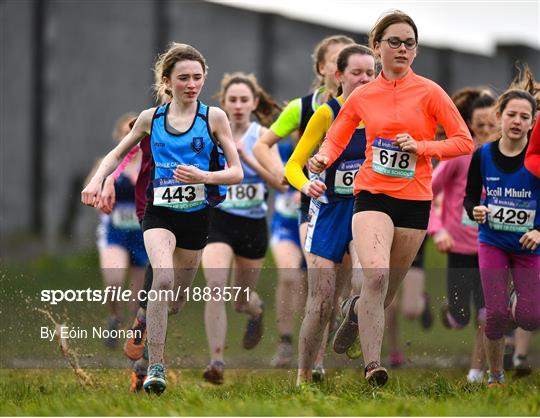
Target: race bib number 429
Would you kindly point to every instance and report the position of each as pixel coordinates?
(388, 159)
(512, 215)
(171, 194)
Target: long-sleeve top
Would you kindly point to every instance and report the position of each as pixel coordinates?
(413, 105)
(450, 178)
(532, 158)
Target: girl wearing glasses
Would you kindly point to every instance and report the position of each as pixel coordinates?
(392, 189)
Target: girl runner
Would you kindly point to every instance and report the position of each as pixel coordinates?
(329, 232)
(185, 135)
(510, 239)
(238, 230)
(393, 187)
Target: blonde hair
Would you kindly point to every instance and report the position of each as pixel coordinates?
(165, 63)
(267, 107)
(319, 55)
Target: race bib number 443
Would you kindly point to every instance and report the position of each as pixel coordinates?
(171, 194)
(512, 215)
(388, 159)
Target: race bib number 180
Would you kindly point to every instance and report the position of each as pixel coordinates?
(169, 193)
(513, 215)
(242, 196)
(388, 159)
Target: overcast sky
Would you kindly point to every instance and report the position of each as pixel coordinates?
(474, 26)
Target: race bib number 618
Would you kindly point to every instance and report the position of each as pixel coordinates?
(388, 159)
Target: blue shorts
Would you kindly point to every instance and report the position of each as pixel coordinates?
(284, 229)
(330, 229)
(131, 240)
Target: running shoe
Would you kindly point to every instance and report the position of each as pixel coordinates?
(318, 374)
(348, 329)
(396, 359)
(376, 374)
(522, 367)
(426, 318)
(138, 374)
(254, 331)
(113, 323)
(475, 376)
(496, 380)
(355, 350)
(155, 379)
(444, 316)
(214, 372)
(283, 356)
(134, 347)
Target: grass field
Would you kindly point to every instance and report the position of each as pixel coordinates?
(35, 378)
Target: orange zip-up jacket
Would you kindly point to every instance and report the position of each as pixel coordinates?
(413, 105)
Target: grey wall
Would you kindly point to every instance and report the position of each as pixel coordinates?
(97, 60)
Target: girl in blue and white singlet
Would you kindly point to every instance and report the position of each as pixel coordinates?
(509, 231)
(238, 229)
(188, 141)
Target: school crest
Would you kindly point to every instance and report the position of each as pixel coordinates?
(197, 144)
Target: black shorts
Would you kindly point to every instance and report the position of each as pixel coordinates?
(189, 228)
(246, 236)
(305, 201)
(404, 213)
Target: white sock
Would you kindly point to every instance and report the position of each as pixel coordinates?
(475, 376)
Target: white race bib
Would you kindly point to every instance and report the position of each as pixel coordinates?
(388, 159)
(345, 173)
(241, 196)
(171, 194)
(286, 206)
(124, 216)
(512, 215)
(465, 220)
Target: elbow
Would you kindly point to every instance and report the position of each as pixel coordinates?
(238, 176)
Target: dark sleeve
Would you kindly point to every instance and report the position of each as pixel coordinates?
(473, 192)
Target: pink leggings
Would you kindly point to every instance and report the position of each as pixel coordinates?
(495, 266)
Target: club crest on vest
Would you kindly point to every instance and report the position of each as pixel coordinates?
(197, 144)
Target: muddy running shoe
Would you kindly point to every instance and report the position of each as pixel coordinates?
(138, 374)
(283, 356)
(355, 350)
(134, 347)
(522, 367)
(348, 329)
(214, 372)
(113, 323)
(376, 374)
(426, 318)
(155, 379)
(496, 380)
(254, 331)
(318, 374)
(396, 359)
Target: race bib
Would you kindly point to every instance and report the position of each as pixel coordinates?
(512, 215)
(388, 159)
(171, 194)
(286, 206)
(241, 196)
(465, 220)
(124, 216)
(345, 173)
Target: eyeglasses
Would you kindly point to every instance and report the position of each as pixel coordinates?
(395, 43)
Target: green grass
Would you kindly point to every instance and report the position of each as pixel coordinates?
(254, 390)
(268, 393)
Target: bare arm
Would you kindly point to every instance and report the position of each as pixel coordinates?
(91, 194)
(270, 160)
